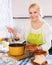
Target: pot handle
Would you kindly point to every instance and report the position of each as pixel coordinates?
(24, 42)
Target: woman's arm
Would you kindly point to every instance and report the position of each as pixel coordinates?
(47, 33)
(14, 32)
(47, 45)
(17, 35)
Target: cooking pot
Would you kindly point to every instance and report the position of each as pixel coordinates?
(16, 49)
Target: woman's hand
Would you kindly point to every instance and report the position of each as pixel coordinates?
(31, 47)
(16, 38)
(39, 48)
(11, 30)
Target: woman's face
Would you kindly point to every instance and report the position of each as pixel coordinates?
(34, 14)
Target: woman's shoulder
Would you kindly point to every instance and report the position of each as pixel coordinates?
(46, 27)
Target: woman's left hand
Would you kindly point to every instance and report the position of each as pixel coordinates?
(39, 48)
(31, 47)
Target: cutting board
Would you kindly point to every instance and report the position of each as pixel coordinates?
(20, 57)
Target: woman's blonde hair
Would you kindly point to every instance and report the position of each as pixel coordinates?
(35, 5)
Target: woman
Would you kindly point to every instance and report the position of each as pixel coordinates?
(40, 32)
(37, 32)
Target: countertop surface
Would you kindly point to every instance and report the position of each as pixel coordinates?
(5, 60)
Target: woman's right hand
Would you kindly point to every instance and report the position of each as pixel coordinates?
(11, 30)
(16, 38)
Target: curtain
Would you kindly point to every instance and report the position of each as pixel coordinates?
(5, 17)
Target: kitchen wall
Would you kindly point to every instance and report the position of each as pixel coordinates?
(20, 7)
(48, 19)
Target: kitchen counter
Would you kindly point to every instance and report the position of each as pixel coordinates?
(28, 62)
(11, 61)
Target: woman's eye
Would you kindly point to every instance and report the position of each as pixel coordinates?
(35, 12)
(30, 12)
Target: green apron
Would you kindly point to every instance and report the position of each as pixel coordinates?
(34, 38)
